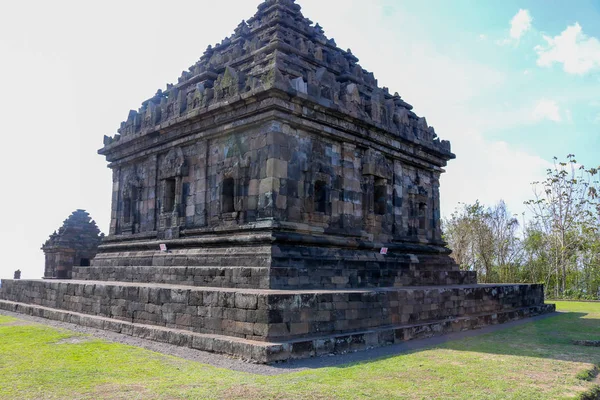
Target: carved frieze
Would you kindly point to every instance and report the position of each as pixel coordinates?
(131, 185)
(374, 163)
(173, 164)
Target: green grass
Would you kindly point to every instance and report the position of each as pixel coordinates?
(6, 320)
(531, 361)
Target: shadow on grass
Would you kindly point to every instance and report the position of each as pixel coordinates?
(547, 336)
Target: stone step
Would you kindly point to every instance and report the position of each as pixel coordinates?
(267, 315)
(265, 278)
(273, 351)
(290, 266)
(212, 276)
(243, 256)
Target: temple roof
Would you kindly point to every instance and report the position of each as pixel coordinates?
(78, 232)
(278, 48)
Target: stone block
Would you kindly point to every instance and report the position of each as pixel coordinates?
(203, 343)
(246, 301)
(277, 168)
(268, 185)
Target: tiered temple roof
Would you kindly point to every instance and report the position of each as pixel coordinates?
(278, 48)
(79, 232)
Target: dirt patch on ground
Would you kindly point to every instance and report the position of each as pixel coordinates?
(120, 392)
(75, 340)
(250, 392)
(244, 392)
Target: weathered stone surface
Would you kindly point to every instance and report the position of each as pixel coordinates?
(270, 314)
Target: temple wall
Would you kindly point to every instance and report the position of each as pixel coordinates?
(273, 171)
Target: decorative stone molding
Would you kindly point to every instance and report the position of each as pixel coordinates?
(173, 164)
(374, 163)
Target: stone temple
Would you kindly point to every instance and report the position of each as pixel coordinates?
(75, 243)
(275, 203)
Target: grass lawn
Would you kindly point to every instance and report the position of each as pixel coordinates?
(532, 361)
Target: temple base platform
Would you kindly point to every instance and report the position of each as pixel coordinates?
(266, 325)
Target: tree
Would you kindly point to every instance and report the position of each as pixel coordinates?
(559, 244)
(485, 240)
(508, 246)
(563, 208)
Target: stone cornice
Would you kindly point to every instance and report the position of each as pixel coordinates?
(259, 109)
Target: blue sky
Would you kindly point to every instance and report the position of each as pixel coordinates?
(510, 83)
(480, 30)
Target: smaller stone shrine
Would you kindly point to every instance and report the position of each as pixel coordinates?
(74, 244)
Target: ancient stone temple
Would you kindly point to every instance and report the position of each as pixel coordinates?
(275, 203)
(75, 243)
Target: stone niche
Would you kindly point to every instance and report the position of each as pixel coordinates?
(74, 244)
(275, 171)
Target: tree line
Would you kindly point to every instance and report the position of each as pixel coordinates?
(556, 242)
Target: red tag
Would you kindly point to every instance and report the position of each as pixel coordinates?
(163, 247)
(384, 250)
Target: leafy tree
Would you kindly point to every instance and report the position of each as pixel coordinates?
(563, 208)
(485, 240)
(559, 245)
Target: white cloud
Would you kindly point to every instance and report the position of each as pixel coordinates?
(489, 171)
(577, 52)
(482, 37)
(520, 24)
(546, 109)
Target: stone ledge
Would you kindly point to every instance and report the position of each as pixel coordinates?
(208, 276)
(322, 262)
(281, 291)
(262, 277)
(268, 315)
(269, 352)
